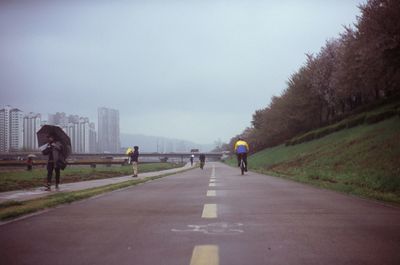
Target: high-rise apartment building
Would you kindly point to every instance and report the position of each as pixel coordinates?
(5, 129)
(92, 138)
(32, 124)
(60, 119)
(108, 130)
(81, 132)
(11, 129)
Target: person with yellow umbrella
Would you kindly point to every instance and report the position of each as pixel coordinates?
(134, 157)
(128, 152)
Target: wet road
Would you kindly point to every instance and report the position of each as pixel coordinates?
(214, 216)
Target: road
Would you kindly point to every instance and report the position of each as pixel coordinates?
(212, 216)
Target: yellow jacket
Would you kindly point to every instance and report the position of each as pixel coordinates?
(241, 147)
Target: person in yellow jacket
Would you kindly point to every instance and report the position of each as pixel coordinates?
(241, 150)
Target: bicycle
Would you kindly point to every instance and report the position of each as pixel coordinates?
(242, 166)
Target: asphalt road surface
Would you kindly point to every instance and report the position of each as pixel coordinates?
(209, 217)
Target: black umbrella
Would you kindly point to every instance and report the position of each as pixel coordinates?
(58, 134)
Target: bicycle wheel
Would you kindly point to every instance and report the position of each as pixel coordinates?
(242, 166)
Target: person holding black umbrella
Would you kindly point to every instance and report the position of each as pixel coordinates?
(55, 161)
(55, 143)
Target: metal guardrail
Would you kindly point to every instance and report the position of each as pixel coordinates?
(92, 163)
(18, 159)
(15, 155)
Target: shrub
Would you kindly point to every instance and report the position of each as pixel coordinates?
(380, 116)
(355, 121)
(369, 118)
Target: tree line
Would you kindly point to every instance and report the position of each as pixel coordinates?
(356, 69)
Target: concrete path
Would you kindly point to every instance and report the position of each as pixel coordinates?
(23, 195)
(213, 216)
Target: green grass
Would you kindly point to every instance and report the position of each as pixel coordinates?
(363, 160)
(22, 179)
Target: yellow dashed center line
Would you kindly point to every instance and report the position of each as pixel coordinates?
(209, 211)
(205, 255)
(211, 193)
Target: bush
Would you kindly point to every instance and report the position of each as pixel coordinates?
(369, 118)
(355, 121)
(380, 116)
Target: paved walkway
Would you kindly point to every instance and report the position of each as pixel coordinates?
(213, 216)
(24, 195)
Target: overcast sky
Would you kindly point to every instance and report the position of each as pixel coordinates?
(194, 70)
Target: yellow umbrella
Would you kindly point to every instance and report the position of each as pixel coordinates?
(129, 150)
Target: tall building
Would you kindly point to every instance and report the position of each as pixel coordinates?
(11, 129)
(5, 129)
(108, 130)
(60, 119)
(81, 132)
(32, 124)
(92, 138)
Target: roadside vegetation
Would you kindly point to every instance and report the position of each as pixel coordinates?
(363, 160)
(354, 72)
(336, 124)
(21, 179)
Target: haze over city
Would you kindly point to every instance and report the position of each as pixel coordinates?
(194, 71)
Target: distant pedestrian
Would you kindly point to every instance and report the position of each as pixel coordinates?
(29, 163)
(191, 160)
(134, 160)
(55, 161)
(202, 158)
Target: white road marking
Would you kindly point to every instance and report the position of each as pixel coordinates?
(213, 171)
(205, 255)
(212, 180)
(212, 185)
(213, 229)
(211, 193)
(209, 211)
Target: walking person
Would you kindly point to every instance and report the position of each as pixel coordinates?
(29, 164)
(202, 158)
(134, 160)
(191, 160)
(55, 162)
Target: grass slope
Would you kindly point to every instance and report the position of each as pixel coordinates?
(363, 160)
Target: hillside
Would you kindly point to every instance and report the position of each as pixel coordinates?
(363, 160)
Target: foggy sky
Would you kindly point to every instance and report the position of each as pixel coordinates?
(194, 70)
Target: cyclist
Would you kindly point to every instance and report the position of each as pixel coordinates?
(241, 150)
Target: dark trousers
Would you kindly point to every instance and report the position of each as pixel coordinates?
(50, 168)
(244, 157)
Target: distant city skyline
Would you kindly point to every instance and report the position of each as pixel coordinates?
(83, 134)
(18, 130)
